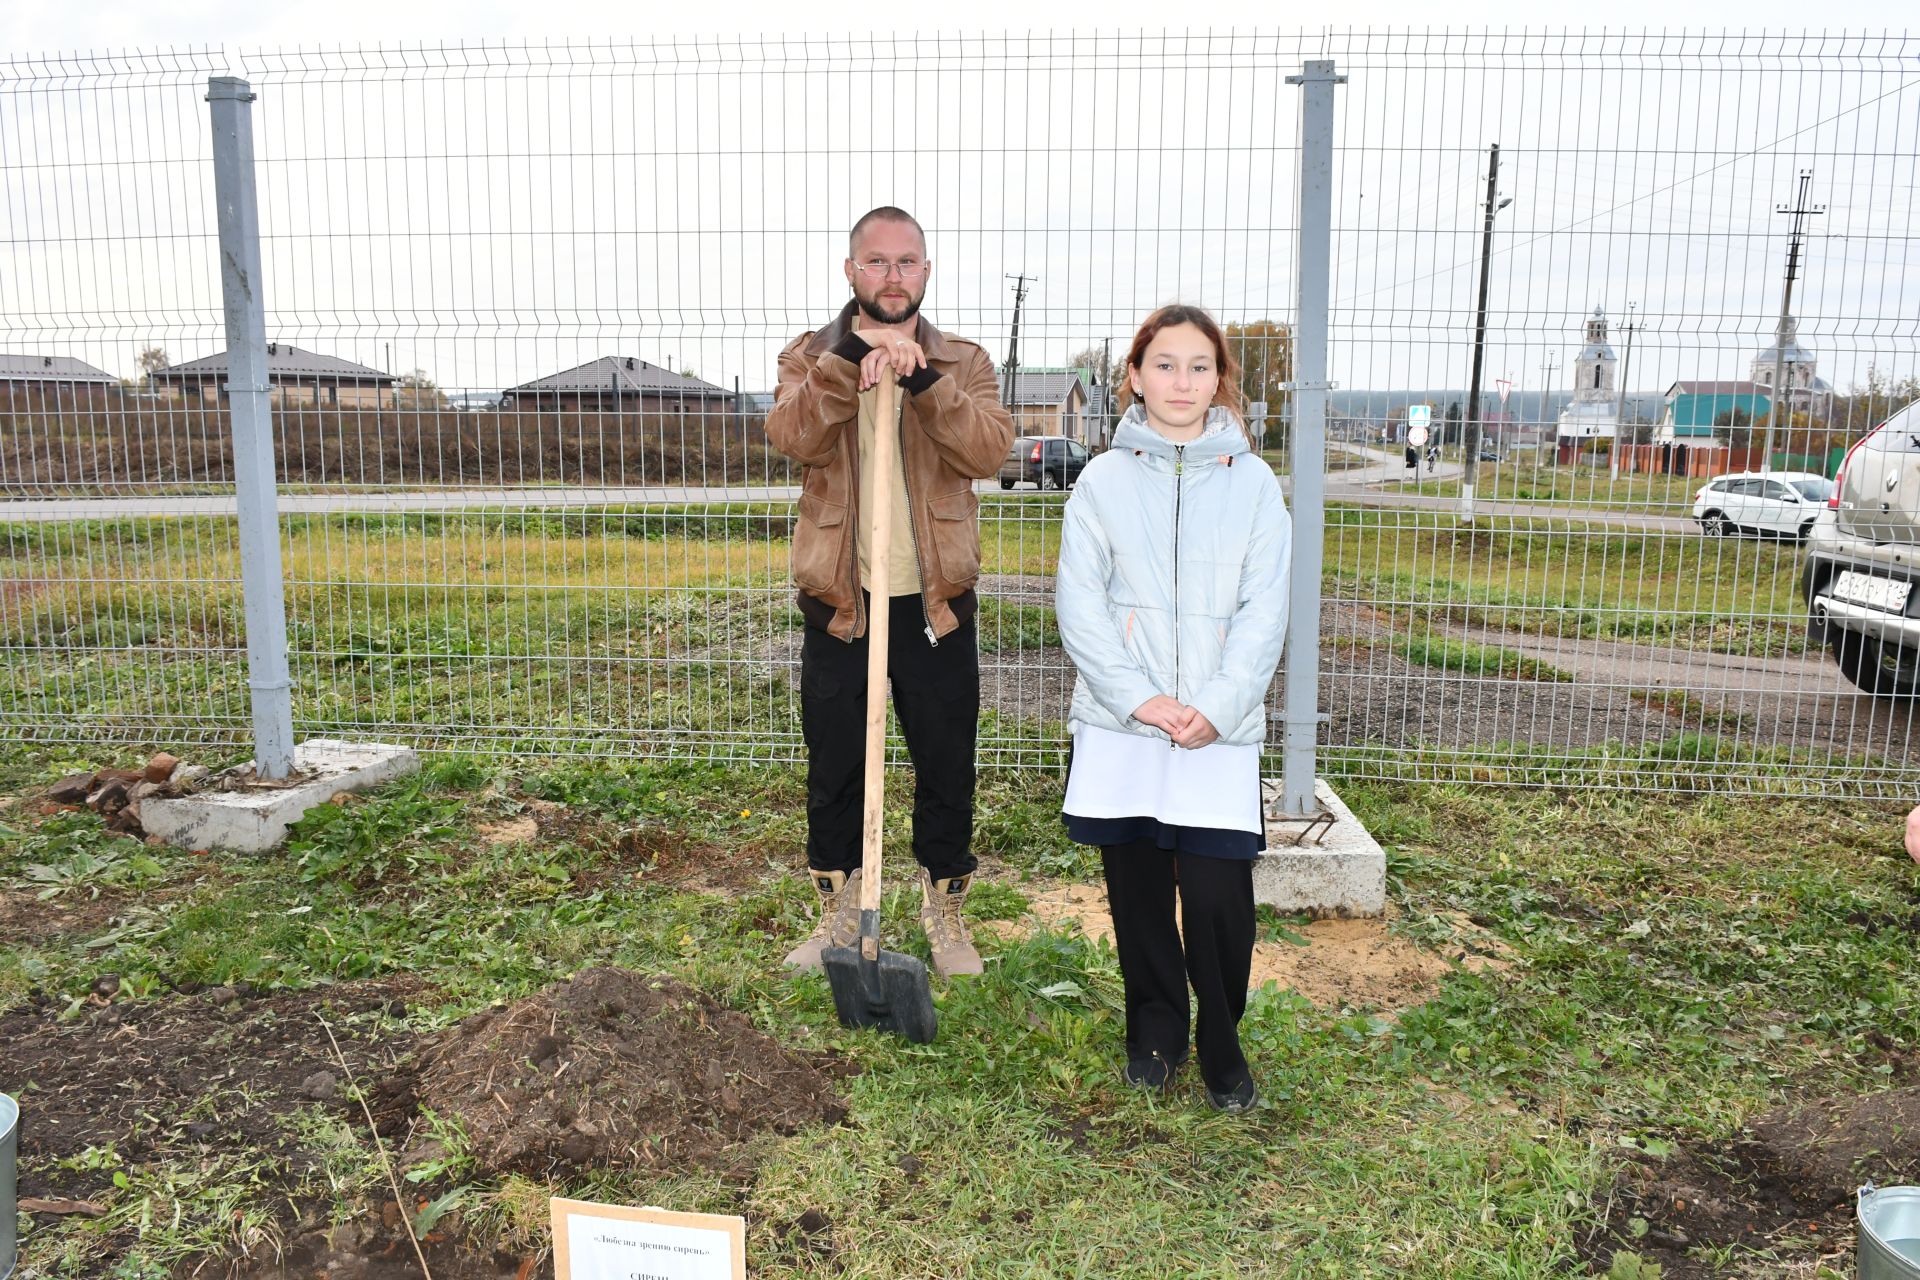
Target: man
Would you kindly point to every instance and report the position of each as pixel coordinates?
(1913, 835)
(952, 431)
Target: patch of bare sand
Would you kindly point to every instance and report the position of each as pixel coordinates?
(1358, 963)
(524, 829)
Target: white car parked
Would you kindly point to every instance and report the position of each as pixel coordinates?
(1781, 503)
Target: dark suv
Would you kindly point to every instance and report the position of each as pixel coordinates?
(1046, 462)
(1863, 559)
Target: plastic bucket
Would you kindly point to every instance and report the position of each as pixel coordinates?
(1889, 1233)
(9, 1184)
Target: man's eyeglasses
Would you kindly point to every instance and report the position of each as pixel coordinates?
(880, 268)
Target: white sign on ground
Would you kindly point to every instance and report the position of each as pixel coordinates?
(616, 1242)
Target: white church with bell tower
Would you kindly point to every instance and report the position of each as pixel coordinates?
(1593, 413)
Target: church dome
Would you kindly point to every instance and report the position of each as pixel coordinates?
(1767, 356)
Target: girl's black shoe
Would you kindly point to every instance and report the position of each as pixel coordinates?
(1151, 1072)
(1241, 1098)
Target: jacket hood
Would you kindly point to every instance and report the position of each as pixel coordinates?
(1222, 438)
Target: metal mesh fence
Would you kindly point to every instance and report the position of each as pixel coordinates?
(1610, 614)
(525, 304)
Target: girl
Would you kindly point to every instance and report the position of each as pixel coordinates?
(1172, 603)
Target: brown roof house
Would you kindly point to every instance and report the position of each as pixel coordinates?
(52, 380)
(297, 376)
(620, 384)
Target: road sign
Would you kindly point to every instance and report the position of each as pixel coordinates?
(1419, 415)
(1416, 436)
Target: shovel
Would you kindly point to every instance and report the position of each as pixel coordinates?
(873, 988)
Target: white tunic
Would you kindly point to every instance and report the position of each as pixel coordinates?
(1130, 775)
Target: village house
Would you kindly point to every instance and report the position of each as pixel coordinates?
(620, 384)
(1047, 402)
(30, 381)
(297, 376)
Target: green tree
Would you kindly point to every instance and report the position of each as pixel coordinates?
(1264, 349)
(152, 361)
(1735, 426)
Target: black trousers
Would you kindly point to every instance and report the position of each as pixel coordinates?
(1216, 915)
(936, 694)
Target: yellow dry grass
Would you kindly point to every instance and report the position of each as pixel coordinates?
(470, 559)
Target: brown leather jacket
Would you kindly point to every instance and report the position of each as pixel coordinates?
(953, 431)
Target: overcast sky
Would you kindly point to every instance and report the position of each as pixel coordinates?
(497, 214)
(44, 25)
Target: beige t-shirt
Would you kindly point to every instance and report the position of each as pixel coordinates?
(903, 568)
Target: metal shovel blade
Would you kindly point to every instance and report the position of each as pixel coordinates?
(888, 993)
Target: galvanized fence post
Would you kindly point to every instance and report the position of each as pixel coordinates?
(1309, 461)
(250, 407)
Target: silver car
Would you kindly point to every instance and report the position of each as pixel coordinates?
(1863, 558)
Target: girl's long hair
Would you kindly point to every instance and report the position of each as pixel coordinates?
(1228, 395)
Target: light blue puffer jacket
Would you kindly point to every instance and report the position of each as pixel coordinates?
(1173, 579)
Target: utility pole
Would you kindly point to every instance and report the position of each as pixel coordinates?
(1548, 364)
(1013, 344)
(1107, 397)
(1480, 338)
(1620, 404)
(1782, 392)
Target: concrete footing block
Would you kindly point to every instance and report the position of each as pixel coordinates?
(254, 817)
(1327, 866)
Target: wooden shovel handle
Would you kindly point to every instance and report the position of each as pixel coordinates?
(879, 550)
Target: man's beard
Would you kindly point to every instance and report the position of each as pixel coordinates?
(873, 309)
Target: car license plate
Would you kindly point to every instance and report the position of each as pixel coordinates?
(1865, 588)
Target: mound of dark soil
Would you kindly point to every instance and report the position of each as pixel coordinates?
(614, 1069)
(1786, 1186)
(217, 1069)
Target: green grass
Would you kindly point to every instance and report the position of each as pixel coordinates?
(1007, 628)
(1575, 581)
(1680, 964)
(588, 632)
(1428, 650)
(1582, 486)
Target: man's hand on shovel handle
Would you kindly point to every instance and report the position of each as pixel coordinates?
(903, 355)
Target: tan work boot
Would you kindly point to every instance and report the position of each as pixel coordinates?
(947, 933)
(839, 922)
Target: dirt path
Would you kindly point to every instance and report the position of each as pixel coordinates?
(1796, 701)
(1614, 691)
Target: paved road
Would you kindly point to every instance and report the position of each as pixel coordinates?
(382, 500)
(1373, 486)
(1368, 485)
